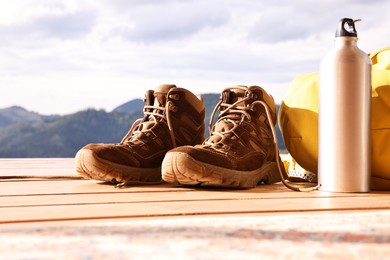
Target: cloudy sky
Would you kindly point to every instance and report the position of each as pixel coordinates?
(61, 56)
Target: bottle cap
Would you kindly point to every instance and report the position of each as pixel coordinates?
(346, 28)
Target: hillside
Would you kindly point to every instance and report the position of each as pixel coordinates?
(16, 114)
(131, 106)
(64, 136)
(28, 134)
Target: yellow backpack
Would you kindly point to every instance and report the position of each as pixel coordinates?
(298, 120)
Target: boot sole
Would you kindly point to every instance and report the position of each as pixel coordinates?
(181, 168)
(90, 166)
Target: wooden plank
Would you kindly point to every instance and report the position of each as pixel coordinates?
(52, 163)
(36, 167)
(21, 188)
(143, 209)
(33, 200)
(210, 217)
(56, 187)
(157, 196)
(37, 172)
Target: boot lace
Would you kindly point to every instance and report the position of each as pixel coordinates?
(226, 119)
(235, 108)
(153, 114)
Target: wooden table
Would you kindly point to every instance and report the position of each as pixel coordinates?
(46, 192)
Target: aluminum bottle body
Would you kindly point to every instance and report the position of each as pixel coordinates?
(344, 162)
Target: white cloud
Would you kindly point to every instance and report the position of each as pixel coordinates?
(170, 21)
(73, 54)
(38, 24)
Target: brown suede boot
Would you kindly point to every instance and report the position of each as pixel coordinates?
(240, 151)
(173, 117)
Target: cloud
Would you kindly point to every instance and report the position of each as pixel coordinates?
(47, 21)
(170, 21)
(276, 24)
(113, 49)
(286, 22)
(121, 5)
(67, 25)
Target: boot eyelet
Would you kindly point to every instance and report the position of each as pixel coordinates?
(174, 108)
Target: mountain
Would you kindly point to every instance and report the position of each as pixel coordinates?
(16, 115)
(210, 101)
(64, 136)
(131, 106)
(28, 134)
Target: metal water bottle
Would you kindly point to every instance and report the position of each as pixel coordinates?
(344, 147)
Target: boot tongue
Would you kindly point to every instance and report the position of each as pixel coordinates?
(232, 96)
(160, 94)
(229, 97)
(236, 95)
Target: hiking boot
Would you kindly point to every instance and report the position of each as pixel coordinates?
(172, 117)
(240, 151)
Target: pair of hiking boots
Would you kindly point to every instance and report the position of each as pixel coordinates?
(168, 142)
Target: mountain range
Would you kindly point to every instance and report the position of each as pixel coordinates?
(28, 134)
